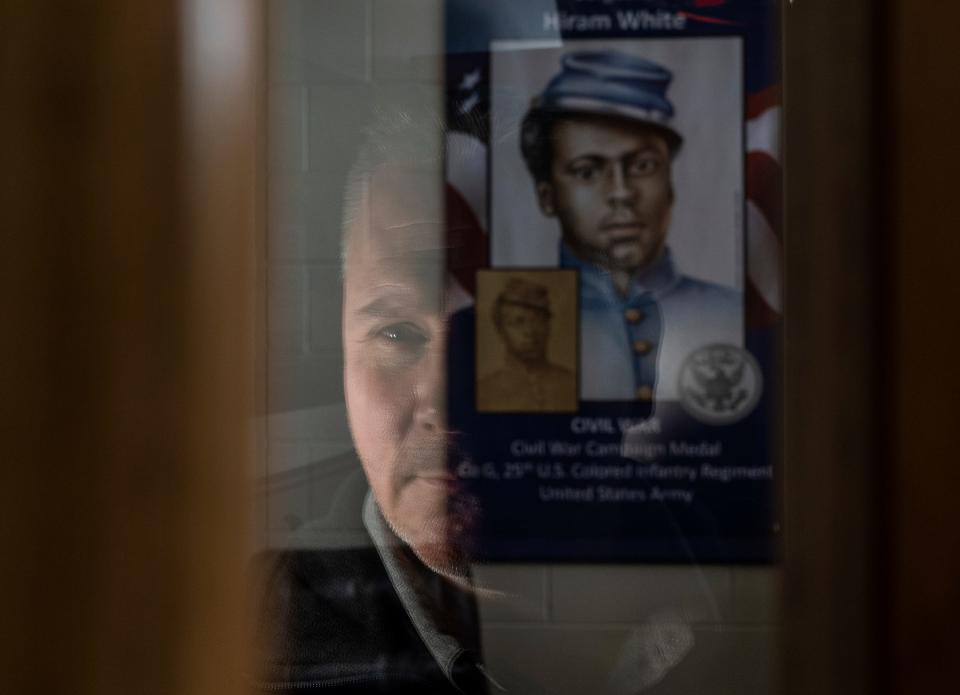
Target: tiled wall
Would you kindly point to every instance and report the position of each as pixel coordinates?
(327, 59)
(570, 616)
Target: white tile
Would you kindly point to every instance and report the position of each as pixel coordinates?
(333, 448)
(319, 40)
(628, 593)
(304, 381)
(338, 116)
(284, 45)
(335, 39)
(656, 658)
(330, 494)
(289, 456)
(726, 662)
(325, 307)
(312, 425)
(550, 659)
(408, 40)
(517, 593)
(327, 494)
(288, 506)
(287, 201)
(285, 456)
(287, 310)
(289, 242)
(756, 595)
(286, 127)
(305, 215)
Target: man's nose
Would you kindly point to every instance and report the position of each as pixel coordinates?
(431, 395)
(619, 190)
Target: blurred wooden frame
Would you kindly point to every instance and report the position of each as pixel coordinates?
(833, 246)
(872, 525)
(130, 200)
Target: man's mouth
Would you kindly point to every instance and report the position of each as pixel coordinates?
(621, 231)
(436, 475)
(616, 224)
(438, 479)
(433, 463)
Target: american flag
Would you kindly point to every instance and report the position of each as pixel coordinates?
(764, 281)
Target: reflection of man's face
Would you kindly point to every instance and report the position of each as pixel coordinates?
(524, 331)
(394, 358)
(610, 189)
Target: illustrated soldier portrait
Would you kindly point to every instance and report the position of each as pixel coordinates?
(521, 320)
(599, 142)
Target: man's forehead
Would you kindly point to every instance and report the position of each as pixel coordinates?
(577, 135)
(401, 216)
(412, 243)
(400, 195)
(404, 262)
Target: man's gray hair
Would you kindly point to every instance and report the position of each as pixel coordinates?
(407, 130)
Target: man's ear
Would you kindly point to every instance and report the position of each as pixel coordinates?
(546, 199)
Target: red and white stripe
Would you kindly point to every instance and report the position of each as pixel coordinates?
(764, 286)
(466, 215)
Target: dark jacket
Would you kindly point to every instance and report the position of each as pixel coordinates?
(330, 621)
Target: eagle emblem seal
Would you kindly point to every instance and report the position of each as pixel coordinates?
(720, 384)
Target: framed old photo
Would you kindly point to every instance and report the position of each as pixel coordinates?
(634, 147)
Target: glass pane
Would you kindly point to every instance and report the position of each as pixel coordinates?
(524, 309)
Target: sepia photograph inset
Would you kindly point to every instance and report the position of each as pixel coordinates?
(526, 341)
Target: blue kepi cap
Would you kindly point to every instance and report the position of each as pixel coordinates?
(611, 83)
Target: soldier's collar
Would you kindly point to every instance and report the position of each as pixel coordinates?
(657, 278)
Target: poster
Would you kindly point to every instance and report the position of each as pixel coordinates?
(613, 214)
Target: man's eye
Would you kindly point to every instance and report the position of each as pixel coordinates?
(584, 173)
(404, 335)
(644, 166)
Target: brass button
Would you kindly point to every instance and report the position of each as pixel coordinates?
(633, 315)
(642, 347)
(644, 393)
